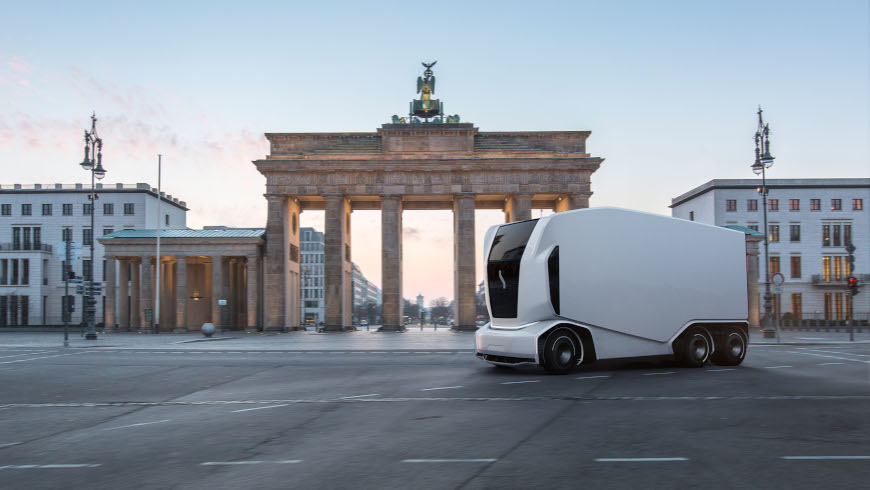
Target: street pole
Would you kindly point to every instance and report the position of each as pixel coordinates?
(763, 160)
(93, 146)
(66, 305)
(157, 260)
(91, 308)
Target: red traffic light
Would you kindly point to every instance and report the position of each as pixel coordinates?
(853, 281)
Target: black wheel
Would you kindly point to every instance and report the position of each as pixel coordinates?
(562, 351)
(731, 349)
(694, 347)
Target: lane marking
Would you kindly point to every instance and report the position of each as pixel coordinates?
(46, 466)
(358, 396)
(831, 363)
(521, 382)
(236, 463)
(441, 388)
(43, 357)
(259, 408)
(656, 374)
(592, 377)
(10, 444)
(28, 354)
(638, 460)
(824, 457)
(472, 460)
(838, 352)
(720, 370)
(138, 425)
(830, 357)
(776, 367)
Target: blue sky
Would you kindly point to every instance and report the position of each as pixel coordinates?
(668, 89)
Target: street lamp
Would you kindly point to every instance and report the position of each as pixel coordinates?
(763, 161)
(93, 163)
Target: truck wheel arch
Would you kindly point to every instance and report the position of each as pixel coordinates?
(584, 336)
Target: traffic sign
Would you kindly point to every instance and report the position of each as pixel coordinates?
(75, 250)
(776, 289)
(777, 279)
(222, 302)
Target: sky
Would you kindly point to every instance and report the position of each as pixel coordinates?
(669, 90)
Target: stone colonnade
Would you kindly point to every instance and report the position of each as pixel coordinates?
(191, 287)
(282, 257)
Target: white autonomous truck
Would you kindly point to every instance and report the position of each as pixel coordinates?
(606, 283)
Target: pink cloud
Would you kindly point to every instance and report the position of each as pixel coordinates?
(18, 65)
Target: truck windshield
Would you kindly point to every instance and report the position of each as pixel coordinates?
(503, 267)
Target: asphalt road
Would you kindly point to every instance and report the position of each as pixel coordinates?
(789, 417)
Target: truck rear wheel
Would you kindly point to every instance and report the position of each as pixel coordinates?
(731, 350)
(693, 350)
(562, 351)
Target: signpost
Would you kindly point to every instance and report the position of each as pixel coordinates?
(777, 279)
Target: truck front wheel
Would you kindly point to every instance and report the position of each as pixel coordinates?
(694, 348)
(562, 350)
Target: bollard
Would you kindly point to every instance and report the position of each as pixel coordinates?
(207, 329)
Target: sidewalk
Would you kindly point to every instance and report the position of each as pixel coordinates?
(413, 339)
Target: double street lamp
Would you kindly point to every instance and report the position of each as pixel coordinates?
(763, 161)
(93, 162)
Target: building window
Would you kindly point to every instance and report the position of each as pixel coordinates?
(837, 242)
(26, 209)
(774, 264)
(826, 268)
(3, 310)
(129, 208)
(28, 245)
(797, 306)
(691, 216)
(87, 236)
(14, 280)
(794, 204)
(774, 233)
(795, 266)
(67, 210)
(25, 272)
(16, 238)
(108, 209)
(794, 233)
(815, 204)
(826, 235)
(753, 227)
(46, 209)
(752, 204)
(66, 234)
(4, 272)
(836, 204)
(731, 205)
(847, 234)
(166, 222)
(37, 238)
(773, 204)
(87, 270)
(857, 204)
(107, 231)
(6, 209)
(87, 208)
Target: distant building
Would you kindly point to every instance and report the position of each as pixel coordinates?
(809, 223)
(34, 221)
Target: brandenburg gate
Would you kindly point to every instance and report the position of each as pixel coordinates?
(427, 160)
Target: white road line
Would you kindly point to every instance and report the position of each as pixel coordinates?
(259, 408)
(719, 370)
(444, 352)
(43, 357)
(824, 457)
(10, 444)
(592, 377)
(46, 466)
(474, 460)
(656, 374)
(776, 367)
(27, 354)
(638, 460)
(377, 352)
(399, 352)
(358, 396)
(441, 388)
(235, 463)
(422, 352)
(137, 425)
(521, 382)
(829, 357)
(831, 363)
(838, 352)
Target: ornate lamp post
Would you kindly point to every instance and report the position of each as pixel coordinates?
(93, 162)
(763, 161)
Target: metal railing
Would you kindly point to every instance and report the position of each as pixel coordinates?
(8, 246)
(832, 280)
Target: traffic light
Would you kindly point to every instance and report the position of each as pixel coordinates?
(853, 285)
(850, 259)
(70, 273)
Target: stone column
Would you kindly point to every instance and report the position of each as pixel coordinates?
(518, 207)
(217, 290)
(337, 267)
(464, 259)
(391, 263)
(752, 277)
(181, 295)
(146, 299)
(251, 283)
(572, 201)
(110, 293)
(276, 261)
(135, 289)
(123, 294)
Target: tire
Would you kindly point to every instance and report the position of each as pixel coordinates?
(693, 349)
(731, 349)
(562, 351)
